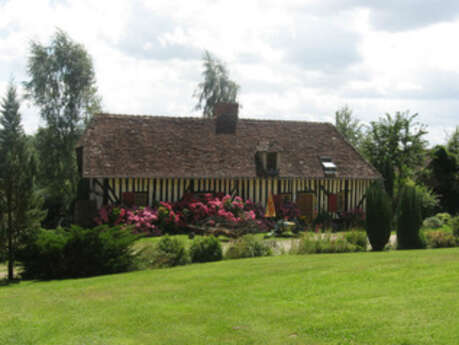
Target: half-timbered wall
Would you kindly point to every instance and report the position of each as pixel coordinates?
(110, 190)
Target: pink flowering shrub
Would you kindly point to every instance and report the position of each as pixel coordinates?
(199, 210)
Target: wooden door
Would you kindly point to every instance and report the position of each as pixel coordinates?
(305, 203)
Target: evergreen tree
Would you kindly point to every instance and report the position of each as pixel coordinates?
(62, 84)
(378, 217)
(442, 175)
(20, 204)
(409, 219)
(216, 87)
(453, 143)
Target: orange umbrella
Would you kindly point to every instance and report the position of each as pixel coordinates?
(270, 207)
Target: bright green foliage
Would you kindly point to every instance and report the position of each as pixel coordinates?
(409, 219)
(20, 213)
(378, 217)
(62, 84)
(206, 249)
(357, 238)
(348, 126)
(216, 87)
(440, 239)
(432, 223)
(396, 139)
(246, 247)
(77, 252)
(324, 243)
(444, 217)
(169, 251)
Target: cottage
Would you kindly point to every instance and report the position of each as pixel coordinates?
(161, 158)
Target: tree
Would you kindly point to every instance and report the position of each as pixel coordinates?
(395, 142)
(348, 126)
(62, 84)
(216, 87)
(409, 219)
(378, 217)
(453, 143)
(442, 175)
(20, 204)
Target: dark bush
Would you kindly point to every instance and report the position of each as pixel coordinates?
(379, 217)
(204, 249)
(246, 247)
(77, 252)
(440, 239)
(409, 220)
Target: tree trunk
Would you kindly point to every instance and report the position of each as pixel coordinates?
(10, 244)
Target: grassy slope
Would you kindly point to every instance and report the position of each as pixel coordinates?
(399, 297)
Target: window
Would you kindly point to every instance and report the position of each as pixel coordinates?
(328, 166)
(271, 161)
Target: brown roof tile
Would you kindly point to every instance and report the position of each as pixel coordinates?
(156, 146)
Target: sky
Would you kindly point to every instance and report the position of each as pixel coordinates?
(294, 60)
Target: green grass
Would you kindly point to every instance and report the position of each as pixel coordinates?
(397, 297)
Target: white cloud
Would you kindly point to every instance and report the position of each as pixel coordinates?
(293, 60)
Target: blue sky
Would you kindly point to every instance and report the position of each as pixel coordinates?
(298, 60)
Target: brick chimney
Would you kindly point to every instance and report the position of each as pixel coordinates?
(226, 116)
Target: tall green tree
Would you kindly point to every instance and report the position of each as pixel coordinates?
(20, 204)
(379, 216)
(348, 126)
(442, 175)
(395, 142)
(453, 143)
(217, 87)
(63, 85)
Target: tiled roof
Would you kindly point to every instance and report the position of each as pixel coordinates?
(157, 146)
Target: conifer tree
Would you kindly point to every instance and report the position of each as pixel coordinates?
(379, 216)
(409, 219)
(20, 204)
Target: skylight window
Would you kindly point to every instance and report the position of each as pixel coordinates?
(328, 165)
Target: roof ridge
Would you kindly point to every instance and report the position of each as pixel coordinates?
(172, 117)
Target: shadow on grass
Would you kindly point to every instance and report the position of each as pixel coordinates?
(6, 282)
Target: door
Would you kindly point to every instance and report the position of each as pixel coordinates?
(305, 203)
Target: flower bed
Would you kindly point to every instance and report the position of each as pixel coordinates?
(205, 210)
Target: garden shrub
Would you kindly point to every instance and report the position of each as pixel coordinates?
(440, 239)
(246, 247)
(357, 238)
(312, 243)
(432, 223)
(78, 252)
(378, 217)
(409, 220)
(455, 226)
(444, 217)
(205, 210)
(168, 252)
(205, 249)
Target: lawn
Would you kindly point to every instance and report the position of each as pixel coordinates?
(396, 297)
